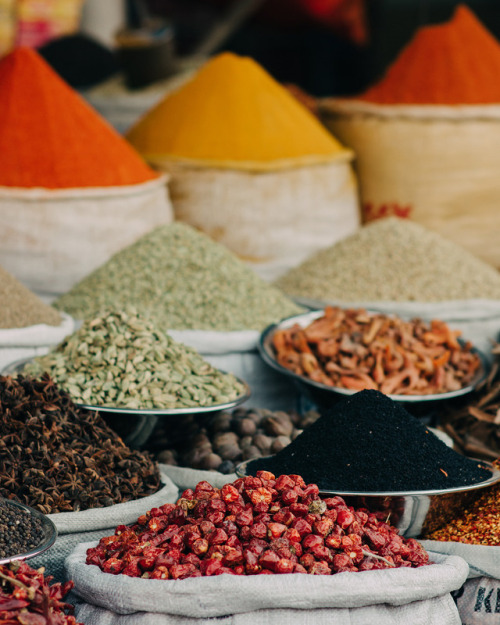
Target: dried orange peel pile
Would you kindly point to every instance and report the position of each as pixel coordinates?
(355, 349)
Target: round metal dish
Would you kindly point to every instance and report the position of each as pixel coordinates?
(48, 537)
(321, 392)
(414, 513)
(17, 367)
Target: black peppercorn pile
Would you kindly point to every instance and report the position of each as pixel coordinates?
(220, 442)
(20, 531)
(369, 443)
(57, 457)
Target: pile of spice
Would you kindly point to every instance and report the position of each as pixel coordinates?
(122, 360)
(20, 307)
(475, 425)
(353, 349)
(56, 457)
(392, 259)
(220, 442)
(458, 74)
(370, 443)
(20, 531)
(61, 143)
(252, 526)
(477, 524)
(181, 279)
(233, 114)
(28, 598)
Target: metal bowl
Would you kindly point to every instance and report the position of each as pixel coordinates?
(49, 533)
(323, 395)
(414, 513)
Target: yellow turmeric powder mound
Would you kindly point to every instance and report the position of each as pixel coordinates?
(234, 114)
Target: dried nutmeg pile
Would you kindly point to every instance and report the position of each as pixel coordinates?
(222, 441)
(56, 457)
(254, 526)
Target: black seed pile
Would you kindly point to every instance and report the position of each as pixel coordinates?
(20, 531)
(369, 443)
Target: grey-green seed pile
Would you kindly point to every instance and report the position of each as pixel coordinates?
(121, 360)
(20, 308)
(182, 280)
(392, 260)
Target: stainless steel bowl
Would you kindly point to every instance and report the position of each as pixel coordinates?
(414, 513)
(49, 533)
(324, 395)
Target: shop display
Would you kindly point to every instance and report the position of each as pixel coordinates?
(392, 259)
(60, 458)
(181, 279)
(353, 349)
(20, 307)
(27, 597)
(20, 532)
(121, 360)
(370, 443)
(253, 526)
(222, 441)
(469, 77)
(475, 425)
(478, 524)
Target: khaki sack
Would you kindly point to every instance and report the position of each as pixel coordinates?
(273, 219)
(437, 165)
(51, 239)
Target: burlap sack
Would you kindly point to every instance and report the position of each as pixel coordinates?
(417, 596)
(478, 601)
(437, 165)
(273, 219)
(51, 239)
(77, 527)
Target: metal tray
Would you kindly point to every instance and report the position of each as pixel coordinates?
(48, 537)
(17, 367)
(414, 513)
(318, 389)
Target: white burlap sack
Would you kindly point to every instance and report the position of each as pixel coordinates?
(77, 527)
(275, 219)
(51, 239)
(483, 560)
(19, 343)
(478, 601)
(437, 165)
(184, 477)
(418, 596)
(236, 352)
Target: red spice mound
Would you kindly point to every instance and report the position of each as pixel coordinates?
(254, 526)
(28, 598)
(457, 62)
(51, 138)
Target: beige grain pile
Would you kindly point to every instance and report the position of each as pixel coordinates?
(392, 260)
(20, 308)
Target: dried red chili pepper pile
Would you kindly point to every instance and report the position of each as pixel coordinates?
(256, 525)
(27, 598)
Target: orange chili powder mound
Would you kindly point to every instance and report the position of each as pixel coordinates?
(457, 62)
(51, 138)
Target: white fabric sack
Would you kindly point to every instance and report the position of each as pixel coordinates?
(19, 343)
(483, 560)
(437, 165)
(92, 524)
(478, 319)
(297, 595)
(277, 218)
(51, 239)
(184, 477)
(236, 352)
(478, 601)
